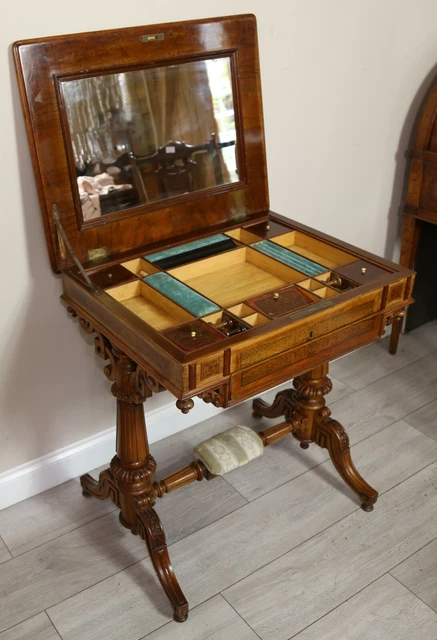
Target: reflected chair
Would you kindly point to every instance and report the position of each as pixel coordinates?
(173, 169)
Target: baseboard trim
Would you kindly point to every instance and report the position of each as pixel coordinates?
(64, 464)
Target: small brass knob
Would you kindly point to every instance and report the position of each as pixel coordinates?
(363, 270)
(275, 296)
(193, 334)
(109, 275)
(267, 227)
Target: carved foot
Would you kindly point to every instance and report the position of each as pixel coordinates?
(330, 434)
(150, 529)
(284, 404)
(104, 488)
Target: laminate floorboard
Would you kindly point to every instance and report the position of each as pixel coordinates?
(389, 399)
(213, 620)
(384, 610)
(286, 596)
(274, 550)
(49, 515)
(419, 574)
(242, 542)
(37, 628)
(4, 553)
(425, 419)
(56, 570)
(374, 362)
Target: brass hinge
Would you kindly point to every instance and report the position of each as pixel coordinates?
(70, 249)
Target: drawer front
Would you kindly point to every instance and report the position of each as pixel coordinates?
(285, 365)
(305, 331)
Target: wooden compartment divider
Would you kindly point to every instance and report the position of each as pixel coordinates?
(313, 249)
(150, 305)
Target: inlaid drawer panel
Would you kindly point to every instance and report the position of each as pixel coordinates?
(327, 322)
(285, 365)
(396, 292)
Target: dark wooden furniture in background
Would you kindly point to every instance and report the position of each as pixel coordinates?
(280, 302)
(421, 201)
(172, 167)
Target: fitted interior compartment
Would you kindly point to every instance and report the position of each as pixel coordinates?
(337, 282)
(234, 277)
(151, 306)
(227, 323)
(191, 251)
(256, 319)
(241, 310)
(316, 250)
(311, 284)
(140, 267)
(244, 236)
(326, 292)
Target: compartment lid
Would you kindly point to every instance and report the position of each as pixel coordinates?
(145, 136)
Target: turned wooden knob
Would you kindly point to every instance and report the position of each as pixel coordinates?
(109, 275)
(267, 227)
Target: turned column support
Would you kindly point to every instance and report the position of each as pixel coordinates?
(128, 481)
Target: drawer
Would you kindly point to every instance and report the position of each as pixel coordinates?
(285, 366)
(305, 330)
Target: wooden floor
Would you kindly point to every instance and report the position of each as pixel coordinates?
(278, 549)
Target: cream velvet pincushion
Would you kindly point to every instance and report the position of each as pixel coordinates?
(229, 450)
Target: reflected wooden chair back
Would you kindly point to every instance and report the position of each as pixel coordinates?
(172, 171)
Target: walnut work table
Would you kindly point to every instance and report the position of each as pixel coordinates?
(193, 285)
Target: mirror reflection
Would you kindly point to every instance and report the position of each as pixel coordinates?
(143, 136)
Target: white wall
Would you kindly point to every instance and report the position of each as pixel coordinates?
(342, 80)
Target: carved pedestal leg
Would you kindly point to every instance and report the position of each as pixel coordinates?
(327, 433)
(306, 405)
(331, 435)
(151, 530)
(128, 481)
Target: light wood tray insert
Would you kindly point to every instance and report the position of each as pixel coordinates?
(140, 267)
(244, 312)
(150, 305)
(244, 236)
(316, 250)
(233, 277)
(318, 288)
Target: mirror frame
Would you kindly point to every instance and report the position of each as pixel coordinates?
(173, 200)
(43, 63)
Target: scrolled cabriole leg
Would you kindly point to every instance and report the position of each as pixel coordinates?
(150, 529)
(331, 435)
(328, 433)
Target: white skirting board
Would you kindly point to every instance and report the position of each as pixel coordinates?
(81, 457)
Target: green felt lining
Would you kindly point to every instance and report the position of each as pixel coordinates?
(288, 257)
(183, 248)
(180, 293)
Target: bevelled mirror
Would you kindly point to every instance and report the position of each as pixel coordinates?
(146, 135)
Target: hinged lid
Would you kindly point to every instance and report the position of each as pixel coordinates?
(144, 135)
